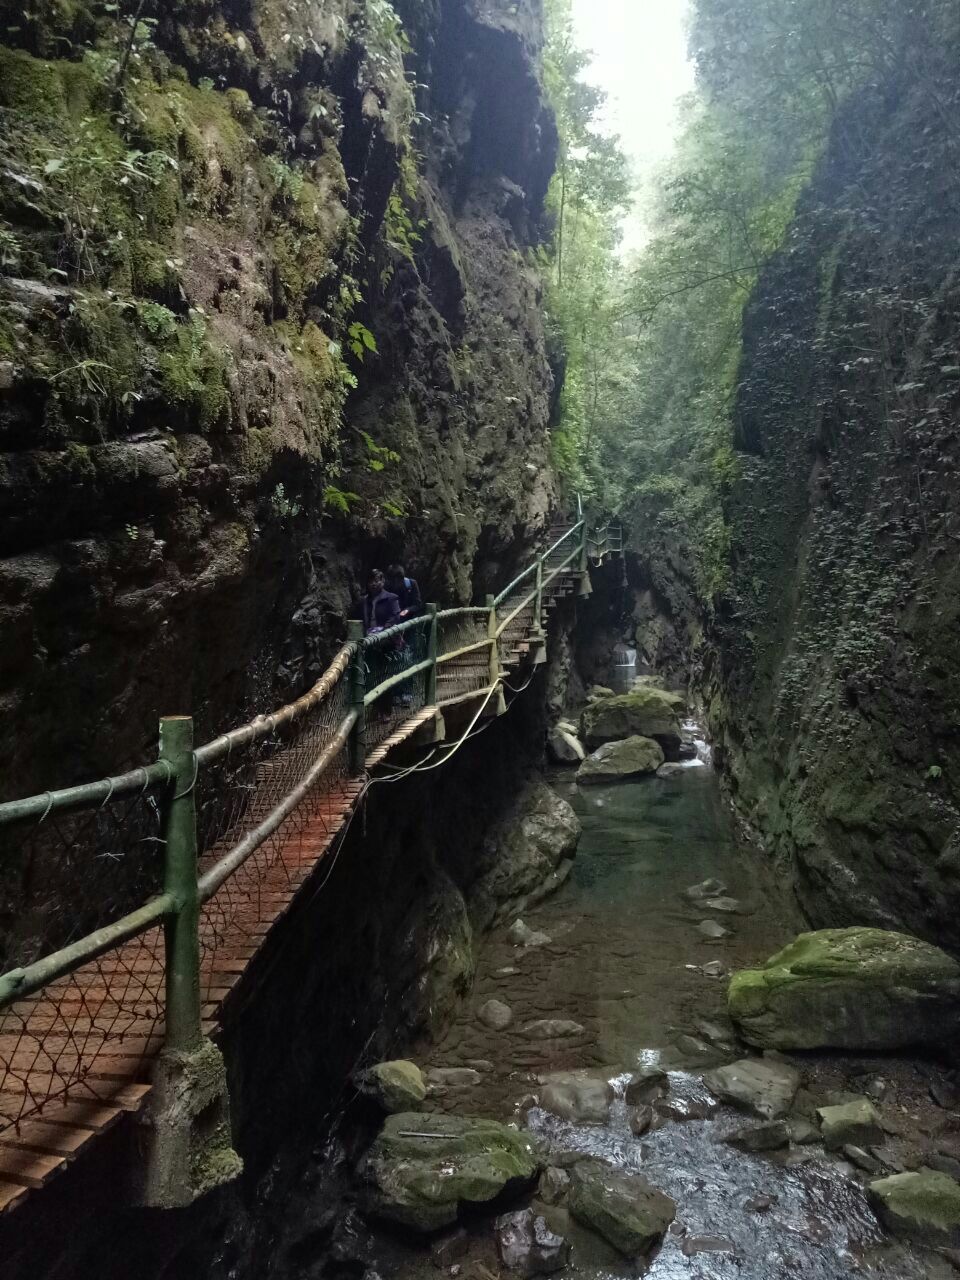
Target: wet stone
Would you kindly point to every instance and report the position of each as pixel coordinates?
(694, 1048)
(759, 1204)
(522, 935)
(862, 1159)
(945, 1094)
(762, 1137)
(766, 1088)
(802, 1132)
(396, 1086)
(495, 1014)
(640, 1120)
(452, 1077)
(681, 1109)
(856, 1123)
(526, 1244)
(924, 1205)
(554, 1185)
(706, 1244)
(712, 929)
(645, 1085)
(576, 1097)
(552, 1028)
(729, 906)
(706, 889)
(628, 1211)
(714, 969)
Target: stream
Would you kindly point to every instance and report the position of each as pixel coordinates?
(625, 960)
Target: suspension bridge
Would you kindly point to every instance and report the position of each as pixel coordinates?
(210, 845)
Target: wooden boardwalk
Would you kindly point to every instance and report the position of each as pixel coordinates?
(76, 1057)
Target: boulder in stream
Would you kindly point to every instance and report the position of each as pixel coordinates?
(922, 1204)
(859, 988)
(766, 1088)
(521, 935)
(564, 747)
(577, 1096)
(423, 1167)
(526, 855)
(552, 1028)
(395, 1086)
(645, 1085)
(620, 761)
(628, 1211)
(647, 712)
(527, 1245)
(761, 1137)
(855, 1122)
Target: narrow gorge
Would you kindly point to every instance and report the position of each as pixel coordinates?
(510, 449)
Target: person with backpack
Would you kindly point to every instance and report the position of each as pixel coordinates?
(406, 590)
(381, 608)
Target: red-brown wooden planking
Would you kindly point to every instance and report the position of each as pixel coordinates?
(28, 1168)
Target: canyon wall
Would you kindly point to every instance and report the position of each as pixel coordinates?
(836, 693)
(268, 317)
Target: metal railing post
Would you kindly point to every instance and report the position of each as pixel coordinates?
(431, 694)
(491, 604)
(358, 687)
(538, 603)
(584, 553)
(182, 929)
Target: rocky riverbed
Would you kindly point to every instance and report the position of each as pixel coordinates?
(640, 1130)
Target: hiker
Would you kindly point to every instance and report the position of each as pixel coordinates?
(381, 608)
(406, 590)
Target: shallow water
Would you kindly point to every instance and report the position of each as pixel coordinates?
(626, 961)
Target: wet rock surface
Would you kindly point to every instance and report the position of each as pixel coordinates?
(625, 962)
(625, 1209)
(526, 1244)
(765, 1088)
(616, 761)
(850, 989)
(424, 1167)
(395, 1086)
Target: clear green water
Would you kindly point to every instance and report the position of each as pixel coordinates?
(625, 961)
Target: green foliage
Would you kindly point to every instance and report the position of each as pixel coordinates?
(283, 507)
(341, 500)
(361, 340)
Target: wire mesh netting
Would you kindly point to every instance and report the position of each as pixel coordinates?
(465, 672)
(237, 793)
(383, 659)
(67, 874)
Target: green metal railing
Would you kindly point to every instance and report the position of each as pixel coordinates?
(208, 827)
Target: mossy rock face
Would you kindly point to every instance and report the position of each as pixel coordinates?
(397, 1086)
(646, 713)
(618, 761)
(424, 1167)
(860, 988)
(923, 1204)
(626, 1210)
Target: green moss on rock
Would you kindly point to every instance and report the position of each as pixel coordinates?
(856, 988)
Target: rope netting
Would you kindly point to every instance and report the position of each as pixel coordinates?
(384, 659)
(237, 793)
(66, 875)
(466, 672)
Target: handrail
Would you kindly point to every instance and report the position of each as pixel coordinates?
(539, 560)
(175, 775)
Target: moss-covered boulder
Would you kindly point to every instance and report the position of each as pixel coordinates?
(647, 713)
(922, 1204)
(625, 1209)
(395, 1086)
(620, 761)
(424, 1167)
(860, 988)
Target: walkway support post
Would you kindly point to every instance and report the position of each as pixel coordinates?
(182, 930)
(358, 687)
(431, 691)
(188, 1149)
(538, 603)
(491, 603)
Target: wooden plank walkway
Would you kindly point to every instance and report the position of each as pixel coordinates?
(76, 1057)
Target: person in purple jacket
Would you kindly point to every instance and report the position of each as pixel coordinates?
(381, 608)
